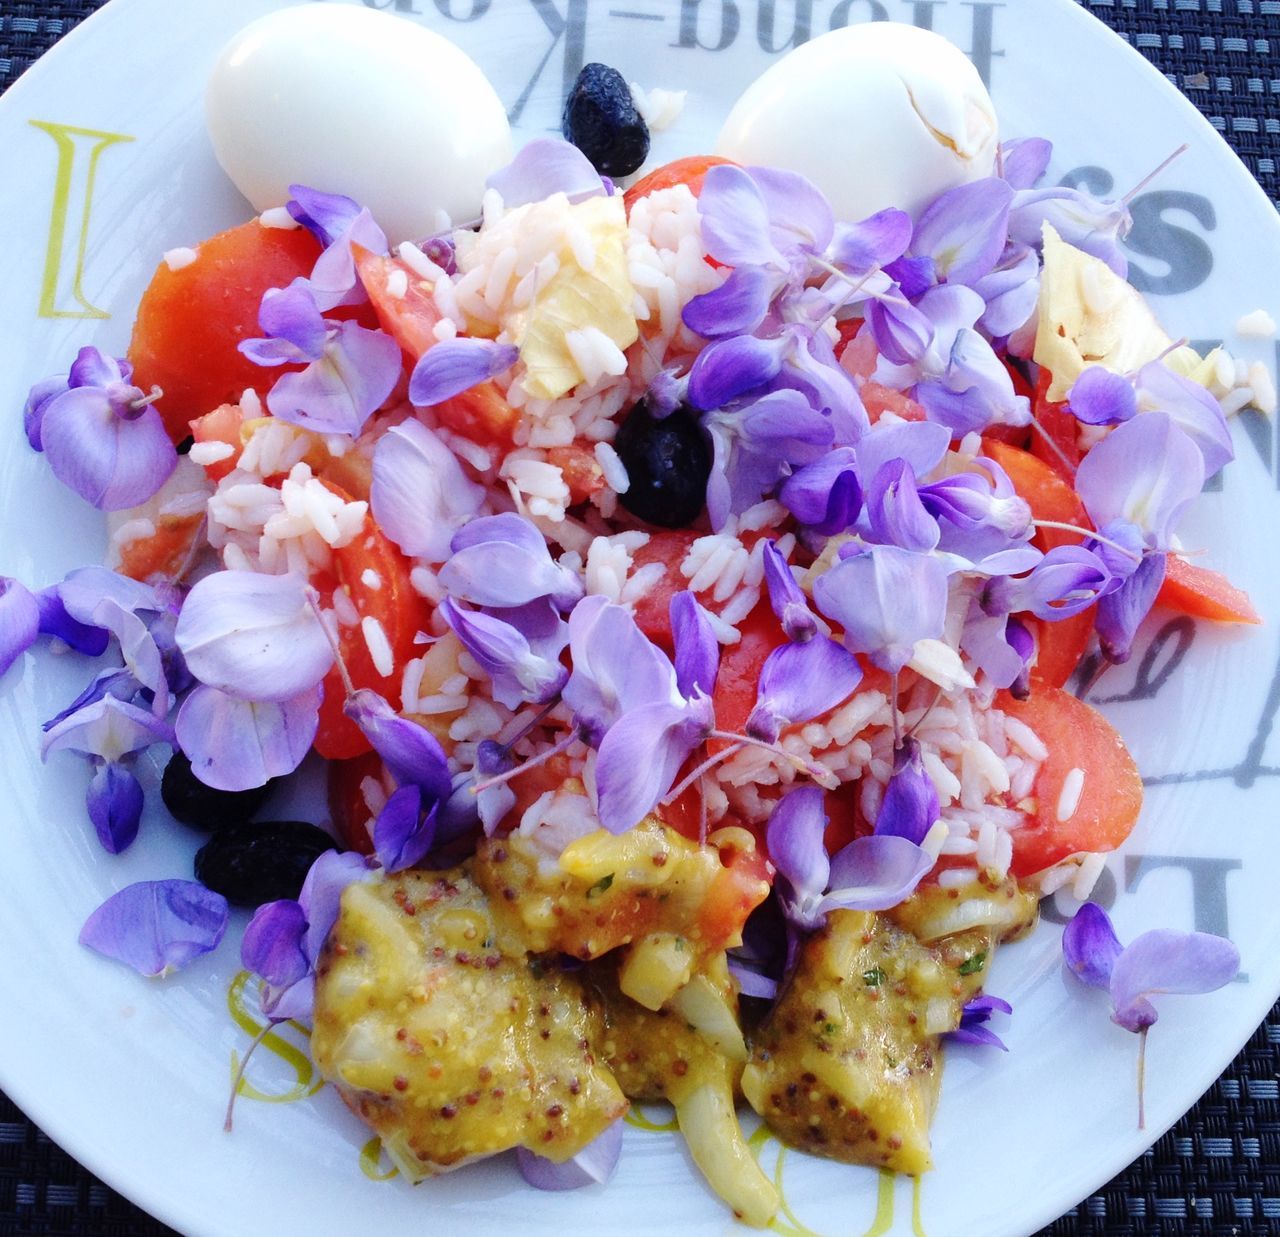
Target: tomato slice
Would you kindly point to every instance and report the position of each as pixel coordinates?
(375, 576)
(1077, 737)
(223, 425)
(878, 399)
(481, 414)
(190, 320)
(691, 171)
(1058, 445)
(1203, 593)
(347, 804)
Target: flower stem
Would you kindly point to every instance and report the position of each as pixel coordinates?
(705, 767)
(1053, 446)
(1151, 175)
(1142, 1079)
(1089, 534)
(239, 1078)
(532, 763)
(313, 600)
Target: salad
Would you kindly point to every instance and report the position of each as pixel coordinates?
(682, 584)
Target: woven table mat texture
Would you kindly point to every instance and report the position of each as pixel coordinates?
(1218, 1170)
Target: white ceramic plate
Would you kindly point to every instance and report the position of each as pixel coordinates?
(104, 164)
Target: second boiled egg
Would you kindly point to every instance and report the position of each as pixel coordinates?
(351, 100)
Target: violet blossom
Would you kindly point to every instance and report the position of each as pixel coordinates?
(974, 1017)
(157, 927)
(350, 370)
(337, 222)
(593, 1165)
(453, 366)
(19, 621)
(502, 561)
(1156, 962)
(283, 940)
(100, 434)
(544, 166)
(519, 649)
(909, 807)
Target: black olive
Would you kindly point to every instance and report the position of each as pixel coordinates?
(192, 802)
(668, 462)
(261, 861)
(601, 120)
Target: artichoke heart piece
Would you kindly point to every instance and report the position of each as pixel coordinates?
(446, 1039)
(597, 295)
(848, 1063)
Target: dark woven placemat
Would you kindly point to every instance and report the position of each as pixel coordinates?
(1218, 1170)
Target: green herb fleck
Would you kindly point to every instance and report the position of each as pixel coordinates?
(874, 977)
(600, 886)
(828, 1028)
(972, 965)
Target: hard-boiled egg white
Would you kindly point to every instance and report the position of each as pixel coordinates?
(876, 115)
(352, 100)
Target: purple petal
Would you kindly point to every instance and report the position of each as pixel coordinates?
(896, 514)
(1099, 397)
(799, 682)
(735, 221)
(615, 667)
(729, 368)
(272, 943)
(19, 621)
(114, 803)
(785, 596)
(910, 804)
(518, 673)
(1166, 961)
(1011, 290)
(1146, 472)
(402, 834)
(1090, 946)
(157, 926)
(976, 1034)
(85, 587)
(542, 167)
(1193, 409)
(55, 621)
(502, 561)
(921, 444)
(238, 744)
(325, 215)
(752, 983)
(697, 651)
(800, 218)
(885, 599)
(455, 365)
(291, 314)
(902, 332)
(875, 873)
(964, 230)
(736, 307)
(639, 758)
(413, 753)
(1121, 613)
(1082, 220)
(794, 840)
(420, 494)
(875, 242)
(334, 280)
(914, 276)
(253, 636)
(1023, 160)
(826, 494)
(339, 392)
(593, 1165)
(321, 895)
(117, 682)
(140, 652)
(94, 368)
(1068, 580)
(108, 460)
(108, 728)
(962, 412)
(39, 398)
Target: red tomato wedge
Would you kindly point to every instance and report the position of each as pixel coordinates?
(1203, 593)
(878, 399)
(481, 414)
(1061, 644)
(740, 666)
(1077, 737)
(190, 320)
(1058, 445)
(691, 171)
(347, 804)
(221, 425)
(401, 612)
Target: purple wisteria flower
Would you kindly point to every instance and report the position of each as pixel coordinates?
(1100, 397)
(869, 874)
(157, 927)
(502, 561)
(974, 1017)
(110, 731)
(350, 370)
(1095, 225)
(593, 1165)
(519, 649)
(826, 495)
(909, 808)
(1156, 962)
(100, 433)
(420, 494)
(19, 620)
(545, 166)
(283, 941)
(337, 222)
(1068, 580)
(885, 599)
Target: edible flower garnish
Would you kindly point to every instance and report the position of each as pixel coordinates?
(974, 1017)
(593, 1165)
(19, 620)
(1156, 962)
(157, 927)
(100, 434)
(337, 222)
